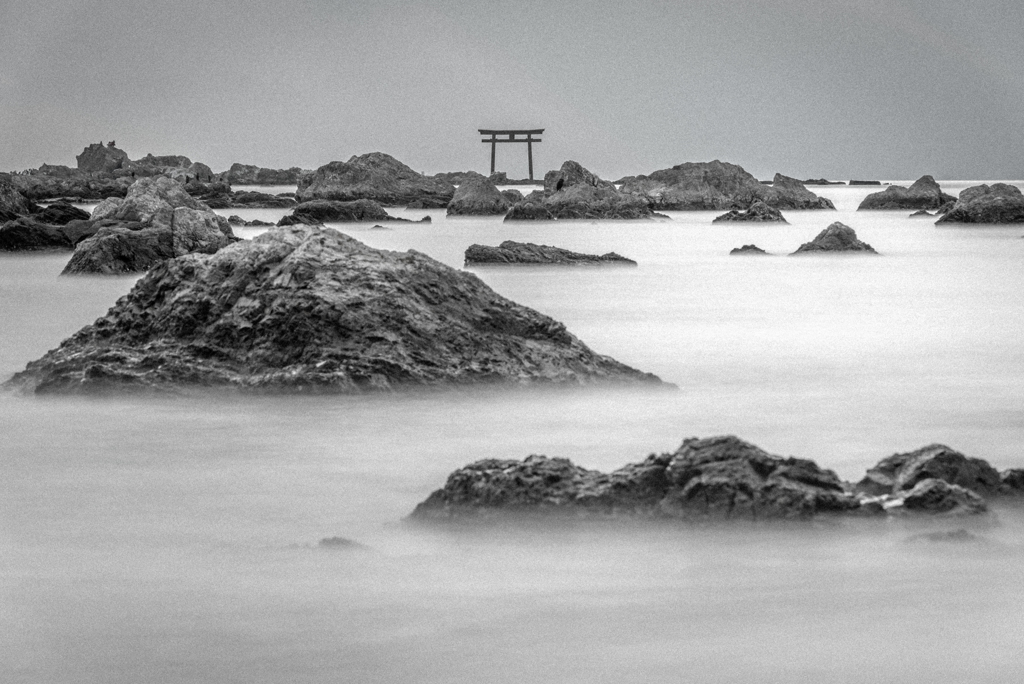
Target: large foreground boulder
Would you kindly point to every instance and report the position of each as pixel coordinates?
(303, 308)
(838, 237)
(477, 196)
(157, 220)
(509, 252)
(925, 193)
(996, 203)
(573, 192)
(376, 176)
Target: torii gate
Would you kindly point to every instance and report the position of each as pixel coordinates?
(529, 140)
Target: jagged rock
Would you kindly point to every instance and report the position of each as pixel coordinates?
(758, 211)
(512, 196)
(317, 212)
(303, 308)
(719, 477)
(932, 495)
(236, 220)
(836, 238)
(573, 192)
(28, 234)
(13, 204)
(996, 203)
(38, 185)
(752, 250)
(159, 164)
(239, 221)
(375, 176)
(457, 177)
(501, 178)
(100, 158)
(157, 220)
(477, 196)
(60, 214)
(789, 193)
(509, 252)
(901, 472)
(248, 174)
(925, 193)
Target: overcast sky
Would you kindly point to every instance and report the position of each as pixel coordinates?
(865, 89)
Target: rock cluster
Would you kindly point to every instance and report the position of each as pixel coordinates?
(758, 212)
(248, 174)
(925, 193)
(715, 478)
(478, 196)
(303, 308)
(837, 237)
(376, 176)
(573, 192)
(996, 203)
(509, 252)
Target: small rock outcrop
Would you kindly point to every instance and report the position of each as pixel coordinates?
(573, 192)
(837, 237)
(308, 309)
(922, 213)
(758, 212)
(925, 193)
(789, 193)
(996, 203)
(157, 220)
(509, 252)
(100, 158)
(902, 472)
(477, 196)
(752, 250)
(375, 176)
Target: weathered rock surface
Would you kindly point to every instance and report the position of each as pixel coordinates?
(477, 196)
(13, 204)
(30, 234)
(317, 212)
(100, 158)
(38, 185)
(573, 192)
(375, 176)
(865, 182)
(249, 174)
(789, 193)
(157, 220)
(752, 250)
(758, 212)
(925, 193)
(836, 238)
(509, 252)
(903, 472)
(239, 221)
(60, 214)
(822, 181)
(309, 309)
(996, 203)
(937, 496)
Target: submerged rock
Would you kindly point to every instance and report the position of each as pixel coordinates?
(509, 252)
(752, 250)
(307, 309)
(317, 212)
(375, 176)
(758, 212)
(573, 192)
(478, 196)
(996, 203)
(836, 238)
(925, 193)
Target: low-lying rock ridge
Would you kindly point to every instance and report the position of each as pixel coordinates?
(752, 250)
(925, 193)
(316, 212)
(573, 192)
(375, 176)
(758, 212)
(510, 252)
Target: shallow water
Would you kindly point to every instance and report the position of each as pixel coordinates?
(175, 540)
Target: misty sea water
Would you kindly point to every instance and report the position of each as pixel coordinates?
(175, 539)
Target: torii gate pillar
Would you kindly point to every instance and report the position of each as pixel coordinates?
(510, 136)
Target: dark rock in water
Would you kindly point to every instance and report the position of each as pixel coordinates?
(239, 221)
(922, 213)
(319, 211)
(789, 193)
(248, 174)
(39, 185)
(100, 158)
(501, 178)
(925, 193)
(509, 252)
(1012, 481)
(512, 196)
(27, 234)
(163, 162)
(836, 238)
(236, 220)
(340, 544)
(752, 250)
(573, 192)
(959, 536)
(822, 181)
(457, 177)
(375, 176)
(157, 220)
(429, 203)
(307, 309)
(902, 472)
(13, 204)
(259, 200)
(945, 208)
(477, 196)
(938, 496)
(716, 478)
(61, 214)
(864, 182)
(758, 211)
(996, 203)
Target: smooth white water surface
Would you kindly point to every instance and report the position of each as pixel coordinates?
(175, 540)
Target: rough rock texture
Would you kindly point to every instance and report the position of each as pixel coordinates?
(902, 472)
(718, 478)
(39, 185)
(822, 181)
(13, 203)
(509, 252)
(932, 495)
(752, 250)
(158, 219)
(512, 196)
(61, 214)
(100, 158)
(477, 196)
(319, 211)
(836, 238)
(30, 234)
(248, 174)
(758, 211)
(309, 309)
(996, 203)
(925, 193)
(789, 193)
(573, 192)
(376, 176)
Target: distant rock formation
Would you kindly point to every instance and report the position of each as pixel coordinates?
(255, 223)
(758, 212)
(922, 213)
(751, 250)
(308, 309)
(100, 158)
(248, 174)
(925, 193)
(477, 196)
(996, 203)
(865, 182)
(822, 181)
(509, 252)
(321, 211)
(376, 176)
(789, 193)
(836, 238)
(573, 192)
(220, 196)
(156, 221)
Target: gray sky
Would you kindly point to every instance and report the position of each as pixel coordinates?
(864, 89)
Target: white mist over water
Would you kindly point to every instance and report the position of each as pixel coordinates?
(174, 540)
